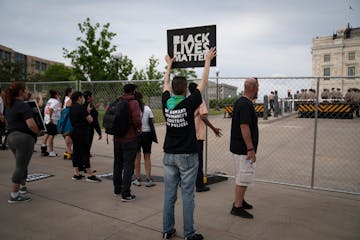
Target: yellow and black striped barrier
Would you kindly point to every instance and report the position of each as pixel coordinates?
(259, 108)
(325, 110)
(228, 109)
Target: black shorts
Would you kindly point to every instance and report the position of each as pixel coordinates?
(51, 129)
(144, 142)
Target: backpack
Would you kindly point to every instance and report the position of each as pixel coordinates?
(116, 118)
(64, 123)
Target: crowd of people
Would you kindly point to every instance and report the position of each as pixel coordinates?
(75, 116)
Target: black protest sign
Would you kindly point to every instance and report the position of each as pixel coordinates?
(190, 45)
(37, 115)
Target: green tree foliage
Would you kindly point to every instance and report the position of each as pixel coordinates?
(94, 55)
(152, 88)
(58, 72)
(188, 74)
(11, 71)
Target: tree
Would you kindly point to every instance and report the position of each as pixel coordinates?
(188, 74)
(152, 88)
(11, 71)
(94, 56)
(58, 72)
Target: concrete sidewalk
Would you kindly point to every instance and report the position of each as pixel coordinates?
(65, 209)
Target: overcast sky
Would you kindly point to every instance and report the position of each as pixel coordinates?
(258, 37)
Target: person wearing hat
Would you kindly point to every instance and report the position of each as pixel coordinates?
(125, 148)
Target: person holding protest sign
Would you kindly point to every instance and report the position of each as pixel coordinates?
(180, 147)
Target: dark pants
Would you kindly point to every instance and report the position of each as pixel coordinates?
(200, 174)
(81, 149)
(124, 163)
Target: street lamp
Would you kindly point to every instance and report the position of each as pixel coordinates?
(117, 57)
(217, 89)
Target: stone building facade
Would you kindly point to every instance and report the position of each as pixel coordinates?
(336, 60)
(31, 65)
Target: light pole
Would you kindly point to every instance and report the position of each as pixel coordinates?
(217, 89)
(117, 57)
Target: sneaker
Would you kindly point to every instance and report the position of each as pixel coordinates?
(93, 179)
(44, 154)
(77, 177)
(93, 171)
(52, 154)
(241, 212)
(137, 182)
(150, 183)
(169, 234)
(23, 190)
(43, 149)
(203, 188)
(196, 236)
(129, 198)
(19, 198)
(246, 205)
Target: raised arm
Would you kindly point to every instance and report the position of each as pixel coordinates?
(204, 79)
(169, 62)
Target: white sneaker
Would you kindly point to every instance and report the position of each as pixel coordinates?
(52, 154)
(137, 182)
(150, 183)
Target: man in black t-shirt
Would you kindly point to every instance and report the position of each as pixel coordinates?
(243, 144)
(180, 147)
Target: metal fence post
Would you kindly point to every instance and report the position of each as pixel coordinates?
(266, 107)
(315, 132)
(276, 106)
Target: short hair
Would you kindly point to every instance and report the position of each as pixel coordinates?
(87, 94)
(179, 85)
(53, 93)
(75, 96)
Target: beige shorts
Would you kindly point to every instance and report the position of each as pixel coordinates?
(244, 170)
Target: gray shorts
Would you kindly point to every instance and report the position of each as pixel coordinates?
(22, 145)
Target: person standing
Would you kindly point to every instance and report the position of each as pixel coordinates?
(125, 148)
(51, 117)
(243, 144)
(180, 147)
(81, 119)
(201, 120)
(2, 121)
(22, 135)
(148, 135)
(94, 114)
(66, 104)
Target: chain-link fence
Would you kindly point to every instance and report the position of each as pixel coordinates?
(307, 138)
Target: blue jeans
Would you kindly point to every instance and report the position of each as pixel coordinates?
(179, 167)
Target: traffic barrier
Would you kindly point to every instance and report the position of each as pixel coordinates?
(325, 110)
(229, 108)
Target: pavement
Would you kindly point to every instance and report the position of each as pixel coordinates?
(62, 208)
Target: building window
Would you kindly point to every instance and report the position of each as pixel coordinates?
(7, 56)
(351, 56)
(43, 66)
(326, 73)
(327, 58)
(351, 71)
(37, 65)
